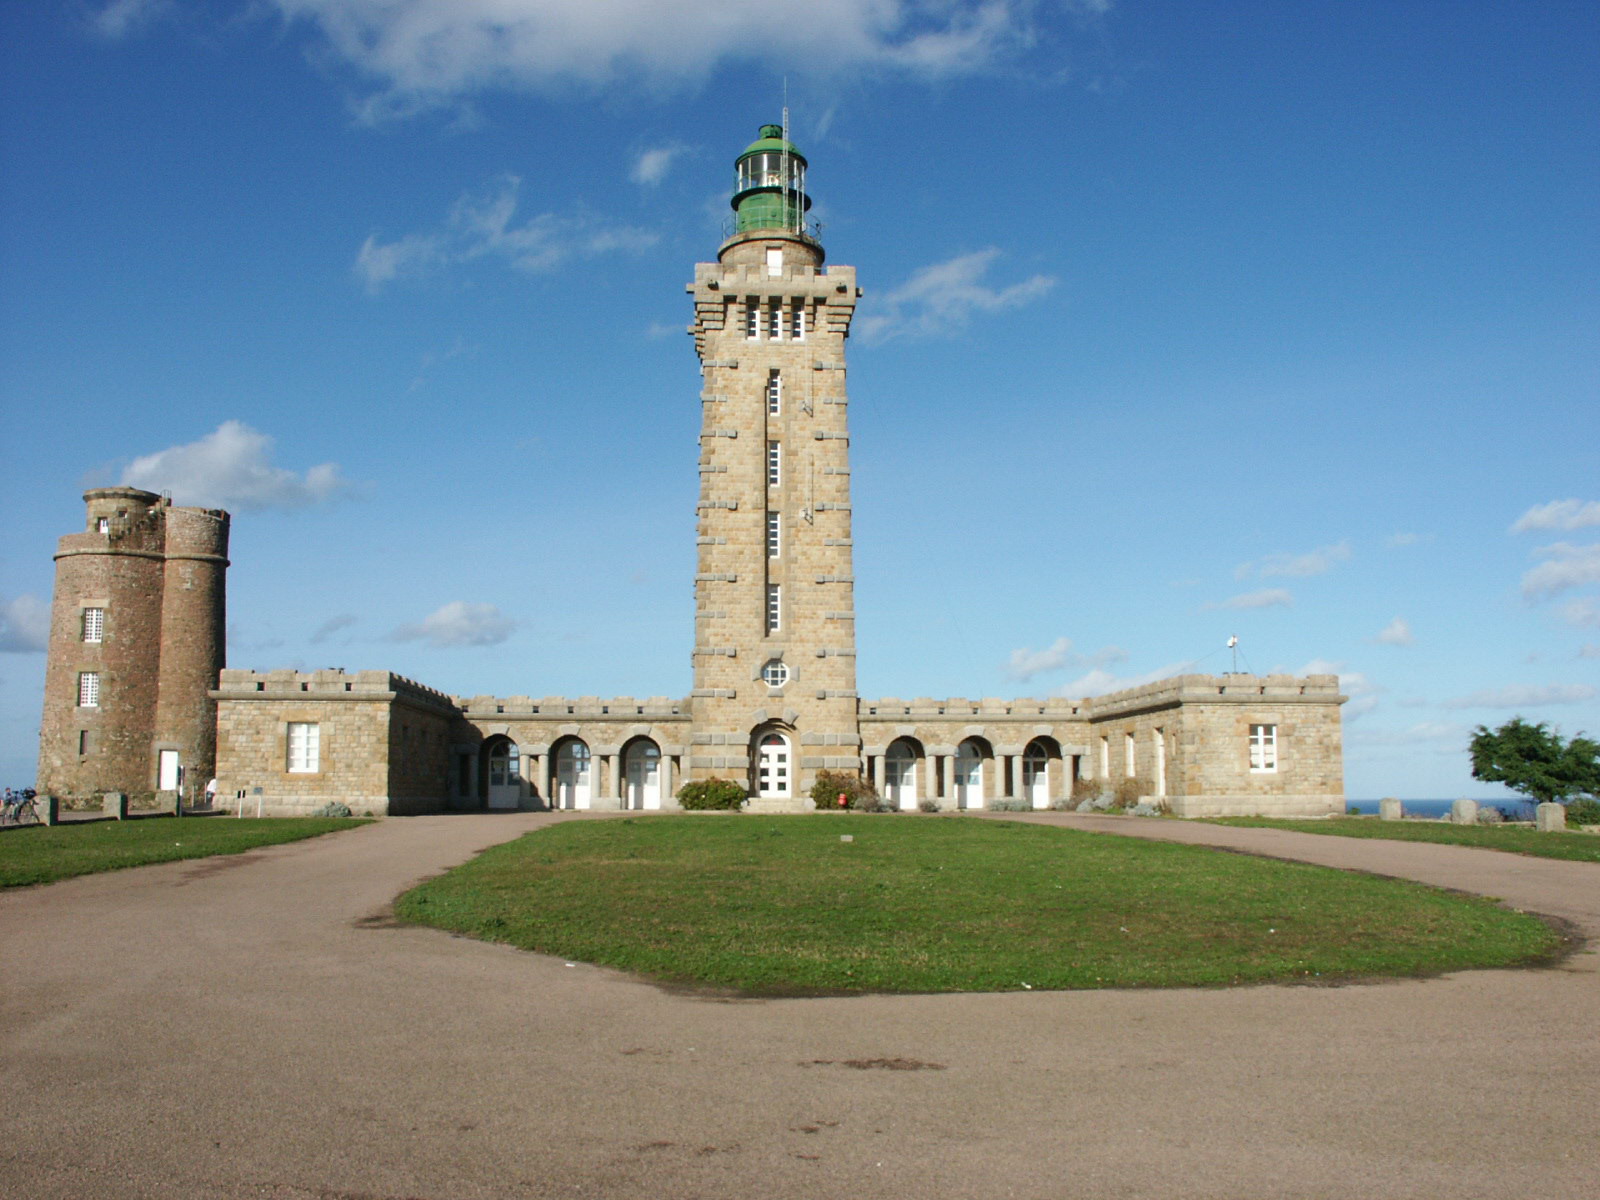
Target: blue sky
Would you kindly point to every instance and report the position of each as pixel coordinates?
(1182, 321)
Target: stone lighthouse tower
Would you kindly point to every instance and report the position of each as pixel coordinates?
(774, 697)
(137, 635)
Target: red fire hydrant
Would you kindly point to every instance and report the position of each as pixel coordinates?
(843, 801)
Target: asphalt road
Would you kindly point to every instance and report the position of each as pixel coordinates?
(257, 1026)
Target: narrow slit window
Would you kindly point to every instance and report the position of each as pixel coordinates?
(774, 393)
(774, 533)
(797, 321)
(1128, 751)
(89, 689)
(94, 624)
(774, 461)
(752, 319)
(774, 607)
(775, 320)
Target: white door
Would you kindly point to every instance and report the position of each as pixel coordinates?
(505, 776)
(900, 777)
(772, 765)
(167, 771)
(969, 776)
(572, 776)
(1036, 777)
(644, 776)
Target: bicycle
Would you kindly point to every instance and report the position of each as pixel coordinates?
(19, 808)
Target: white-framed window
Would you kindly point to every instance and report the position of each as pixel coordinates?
(305, 747)
(775, 262)
(94, 624)
(88, 689)
(103, 525)
(775, 320)
(797, 321)
(775, 673)
(774, 463)
(1128, 755)
(774, 607)
(1263, 748)
(774, 533)
(752, 319)
(774, 393)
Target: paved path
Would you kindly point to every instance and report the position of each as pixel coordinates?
(255, 1027)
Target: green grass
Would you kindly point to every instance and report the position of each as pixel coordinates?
(44, 854)
(780, 905)
(1575, 847)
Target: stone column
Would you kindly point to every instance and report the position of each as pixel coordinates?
(879, 779)
(665, 782)
(947, 774)
(1018, 792)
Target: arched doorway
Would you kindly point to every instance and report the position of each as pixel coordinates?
(969, 773)
(773, 765)
(900, 774)
(573, 774)
(1036, 773)
(502, 774)
(641, 767)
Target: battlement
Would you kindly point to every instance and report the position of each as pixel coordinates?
(960, 706)
(333, 683)
(564, 706)
(1216, 689)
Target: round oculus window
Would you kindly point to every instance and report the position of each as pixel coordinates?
(775, 674)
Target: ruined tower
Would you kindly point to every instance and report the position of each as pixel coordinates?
(137, 635)
(774, 697)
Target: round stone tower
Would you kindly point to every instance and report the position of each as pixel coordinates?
(136, 642)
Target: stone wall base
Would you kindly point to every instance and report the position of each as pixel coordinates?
(1258, 806)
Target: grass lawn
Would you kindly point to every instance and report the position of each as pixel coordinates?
(1577, 847)
(780, 905)
(43, 854)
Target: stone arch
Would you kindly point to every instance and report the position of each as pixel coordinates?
(499, 773)
(641, 774)
(974, 768)
(904, 765)
(1041, 761)
(572, 771)
(774, 770)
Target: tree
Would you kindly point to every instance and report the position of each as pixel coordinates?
(1536, 760)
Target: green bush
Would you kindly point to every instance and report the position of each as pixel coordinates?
(858, 793)
(1583, 811)
(707, 794)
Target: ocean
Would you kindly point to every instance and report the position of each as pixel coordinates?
(1517, 810)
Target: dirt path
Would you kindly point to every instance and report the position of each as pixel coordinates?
(256, 1027)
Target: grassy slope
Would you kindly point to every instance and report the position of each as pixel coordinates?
(1576, 847)
(40, 854)
(782, 905)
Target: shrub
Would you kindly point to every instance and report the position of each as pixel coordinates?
(858, 793)
(707, 794)
(1084, 789)
(1583, 811)
(1128, 790)
(928, 804)
(332, 809)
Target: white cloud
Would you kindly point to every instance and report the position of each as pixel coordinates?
(1559, 514)
(1565, 566)
(651, 167)
(24, 625)
(942, 298)
(1025, 663)
(1362, 691)
(1589, 650)
(1099, 682)
(1297, 566)
(1584, 612)
(480, 226)
(425, 52)
(1522, 695)
(1266, 598)
(459, 623)
(230, 469)
(1396, 633)
(333, 625)
(1396, 540)
(120, 17)
(1436, 732)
